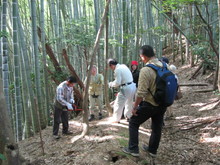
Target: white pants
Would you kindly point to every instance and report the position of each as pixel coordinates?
(93, 102)
(124, 99)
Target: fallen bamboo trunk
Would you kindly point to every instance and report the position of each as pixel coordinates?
(194, 84)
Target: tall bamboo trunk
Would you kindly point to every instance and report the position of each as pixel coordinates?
(5, 75)
(27, 68)
(125, 31)
(36, 62)
(219, 46)
(46, 88)
(18, 103)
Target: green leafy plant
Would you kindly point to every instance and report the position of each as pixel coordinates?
(123, 142)
(2, 157)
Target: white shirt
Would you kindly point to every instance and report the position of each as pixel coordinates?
(122, 75)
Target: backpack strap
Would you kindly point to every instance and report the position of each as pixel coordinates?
(153, 66)
(156, 68)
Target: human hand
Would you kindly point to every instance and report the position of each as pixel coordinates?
(72, 101)
(110, 84)
(69, 106)
(134, 112)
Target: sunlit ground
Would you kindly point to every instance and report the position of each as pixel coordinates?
(112, 127)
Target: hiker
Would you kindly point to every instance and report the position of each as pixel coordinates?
(169, 111)
(124, 80)
(135, 72)
(145, 107)
(95, 93)
(64, 101)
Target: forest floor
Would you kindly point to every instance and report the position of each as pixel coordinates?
(191, 136)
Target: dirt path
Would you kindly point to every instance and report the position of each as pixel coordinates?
(192, 136)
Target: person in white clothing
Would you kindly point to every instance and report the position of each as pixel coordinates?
(124, 80)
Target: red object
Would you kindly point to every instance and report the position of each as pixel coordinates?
(75, 108)
(134, 63)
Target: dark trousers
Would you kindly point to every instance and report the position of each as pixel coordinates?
(146, 111)
(59, 114)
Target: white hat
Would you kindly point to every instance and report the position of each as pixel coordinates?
(172, 68)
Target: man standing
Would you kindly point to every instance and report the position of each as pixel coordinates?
(124, 80)
(95, 93)
(63, 102)
(145, 107)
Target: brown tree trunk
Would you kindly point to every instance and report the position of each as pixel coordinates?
(71, 69)
(106, 95)
(7, 143)
(85, 94)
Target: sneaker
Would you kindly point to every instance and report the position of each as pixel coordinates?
(146, 149)
(100, 116)
(91, 117)
(67, 133)
(56, 137)
(128, 151)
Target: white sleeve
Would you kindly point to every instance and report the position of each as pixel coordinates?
(117, 81)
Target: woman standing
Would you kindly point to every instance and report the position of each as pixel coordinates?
(135, 72)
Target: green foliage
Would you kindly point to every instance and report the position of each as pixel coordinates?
(12, 88)
(124, 154)
(203, 50)
(2, 157)
(174, 4)
(89, 3)
(4, 34)
(124, 134)
(216, 92)
(144, 162)
(60, 77)
(123, 142)
(80, 33)
(115, 42)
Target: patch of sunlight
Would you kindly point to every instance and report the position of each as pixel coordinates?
(99, 138)
(181, 117)
(93, 138)
(210, 101)
(209, 106)
(111, 129)
(105, 121)
(75, 138)
(215, 139)
(76, 123)
(185, 67)
(197, 104)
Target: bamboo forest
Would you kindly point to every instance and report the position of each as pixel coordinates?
(103, 82)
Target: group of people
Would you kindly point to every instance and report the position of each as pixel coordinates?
(133, 98)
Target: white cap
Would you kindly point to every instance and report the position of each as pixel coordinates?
(172, 68)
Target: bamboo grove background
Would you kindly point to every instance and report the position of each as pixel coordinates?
(44, 41)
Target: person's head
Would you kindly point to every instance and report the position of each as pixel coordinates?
(134, 65)
(112, 63)
(94, 70)
(71, 81)
(164, 59)
(173, 68)
(146, 53)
